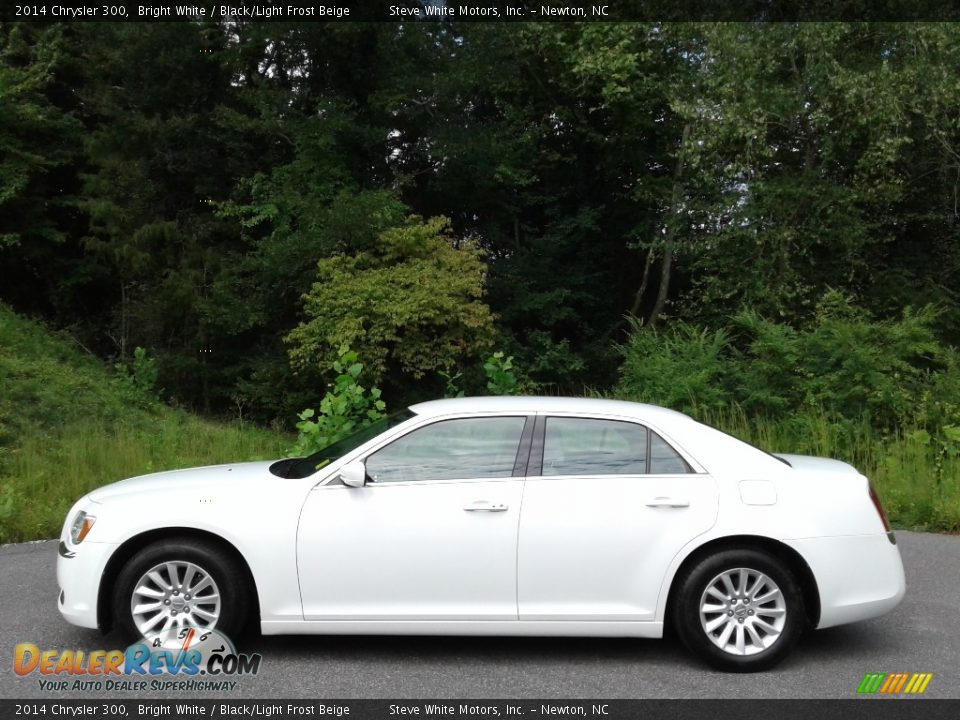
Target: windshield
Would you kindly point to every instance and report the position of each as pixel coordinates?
(304, 467)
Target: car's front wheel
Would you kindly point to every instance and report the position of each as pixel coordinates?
(740, 610)
(178, 584)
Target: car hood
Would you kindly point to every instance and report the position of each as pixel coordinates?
(211, 477)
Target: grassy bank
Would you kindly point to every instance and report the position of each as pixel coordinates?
(48, 471)
(918, 481)
(68, 424)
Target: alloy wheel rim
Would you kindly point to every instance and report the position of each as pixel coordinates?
(175, 594)
(743, 611)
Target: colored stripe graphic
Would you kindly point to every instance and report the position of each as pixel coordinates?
(922, 682)
(871, 682)
(889, 682)
(894, 683)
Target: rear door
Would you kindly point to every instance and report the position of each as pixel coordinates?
(607, 505)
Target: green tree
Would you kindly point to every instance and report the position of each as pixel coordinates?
(159, 160)
(510, 136)
(804, 131)
(40, 142)
(412, 304)
(36, 137)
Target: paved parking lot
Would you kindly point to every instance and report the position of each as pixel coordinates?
(922, 635)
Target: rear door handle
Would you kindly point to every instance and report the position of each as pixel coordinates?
(668, 502)
(484, 506)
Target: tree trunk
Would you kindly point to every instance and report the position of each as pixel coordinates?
(668, 242)
(123, 321)
(644, 281)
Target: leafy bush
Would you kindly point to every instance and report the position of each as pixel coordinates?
(501, 378)
(451, 383)
(844, 363)
(409, 304)
(497, 375)
(679, 366)
(346, 408)
(138, 379)
(554, 365)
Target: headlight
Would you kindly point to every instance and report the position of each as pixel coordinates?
(82, 524)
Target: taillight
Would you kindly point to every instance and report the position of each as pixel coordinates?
(879, 507)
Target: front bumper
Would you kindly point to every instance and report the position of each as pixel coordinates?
(858, 576)
(79, 569)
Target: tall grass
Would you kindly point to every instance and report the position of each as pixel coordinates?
(49, 470)
(917, 481)
(68, 425)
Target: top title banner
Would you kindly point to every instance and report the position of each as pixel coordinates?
(481, 11)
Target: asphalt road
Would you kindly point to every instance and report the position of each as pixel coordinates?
(922, 635)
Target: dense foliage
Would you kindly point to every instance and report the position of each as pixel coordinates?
(757, 223)
(842, 362)
(247, 199)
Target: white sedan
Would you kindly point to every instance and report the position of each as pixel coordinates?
(495, 516)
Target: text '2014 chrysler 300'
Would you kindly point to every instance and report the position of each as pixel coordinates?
(495, 516)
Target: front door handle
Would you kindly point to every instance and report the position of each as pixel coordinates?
(668, 502)
(484, 506)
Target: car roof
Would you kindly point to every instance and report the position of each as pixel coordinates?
(544, 404)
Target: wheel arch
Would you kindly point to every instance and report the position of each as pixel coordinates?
(780, 550)
(133, 545)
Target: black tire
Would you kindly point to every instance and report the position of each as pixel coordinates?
(693, 585)
(218, 563)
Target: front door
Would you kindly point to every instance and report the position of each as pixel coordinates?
(431, 536)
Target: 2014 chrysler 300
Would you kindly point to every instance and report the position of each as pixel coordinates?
(495, 516)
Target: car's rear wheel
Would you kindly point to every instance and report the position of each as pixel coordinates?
(740, 610)
(178, 584)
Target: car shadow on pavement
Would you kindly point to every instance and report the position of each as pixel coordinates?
(822, 646)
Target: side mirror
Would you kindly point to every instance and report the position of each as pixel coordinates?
(354, 474)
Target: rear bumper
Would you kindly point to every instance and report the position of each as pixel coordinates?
(859, 576)
(79, 569)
